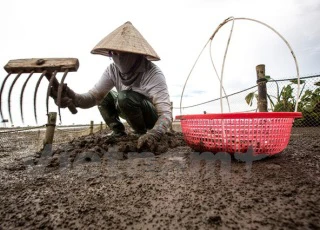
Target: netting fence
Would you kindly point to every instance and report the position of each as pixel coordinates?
(281, 98)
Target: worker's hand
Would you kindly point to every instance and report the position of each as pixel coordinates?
(68, 96)
(148, 141)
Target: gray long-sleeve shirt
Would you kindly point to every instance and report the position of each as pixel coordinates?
(151, 83)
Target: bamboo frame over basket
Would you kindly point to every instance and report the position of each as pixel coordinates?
(264, 132)
(267, 133)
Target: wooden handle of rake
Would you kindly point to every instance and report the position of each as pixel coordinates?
(55, 84)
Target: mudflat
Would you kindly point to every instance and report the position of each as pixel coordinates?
(95, 182)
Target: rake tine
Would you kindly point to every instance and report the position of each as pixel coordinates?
(49, 89)
(35, 95)
(60, 92)
(9, 95)
(1, 90)
(21, 95)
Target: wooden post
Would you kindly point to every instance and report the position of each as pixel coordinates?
(171, 107)
(262, 89)
(50, 127)
(91, 127)
(101, 126)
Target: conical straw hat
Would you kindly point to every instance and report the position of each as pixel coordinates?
(126, 38)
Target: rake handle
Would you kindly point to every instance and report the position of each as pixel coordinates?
(55, 84)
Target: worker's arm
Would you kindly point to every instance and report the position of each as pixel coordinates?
(159, 95)
(91, 98)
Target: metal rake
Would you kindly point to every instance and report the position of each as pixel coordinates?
(48, 67)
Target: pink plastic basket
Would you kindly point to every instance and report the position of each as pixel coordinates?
(266, 133)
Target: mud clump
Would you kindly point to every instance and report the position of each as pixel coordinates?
(214, 220)
(18, 166)
(101, 143)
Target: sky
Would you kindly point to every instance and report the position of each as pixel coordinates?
(177, 30)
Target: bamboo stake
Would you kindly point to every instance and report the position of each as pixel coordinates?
(91, 127)
(262, 89)
(48, 140)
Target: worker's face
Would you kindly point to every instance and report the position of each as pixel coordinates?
(124, 61)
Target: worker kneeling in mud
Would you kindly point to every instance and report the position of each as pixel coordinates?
(142, 97)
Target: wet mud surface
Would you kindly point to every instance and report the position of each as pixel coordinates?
(95, 182)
